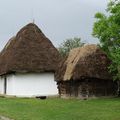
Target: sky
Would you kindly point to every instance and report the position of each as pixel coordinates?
(58, 19)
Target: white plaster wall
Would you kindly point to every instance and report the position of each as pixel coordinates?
(1, 85)
(28, 85)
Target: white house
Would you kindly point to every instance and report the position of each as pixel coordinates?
(28, 63)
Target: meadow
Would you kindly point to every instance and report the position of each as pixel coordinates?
(60, 109)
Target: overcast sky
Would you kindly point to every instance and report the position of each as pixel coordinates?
(58, 19)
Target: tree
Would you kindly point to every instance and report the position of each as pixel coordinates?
(107, 30)
(69, 44)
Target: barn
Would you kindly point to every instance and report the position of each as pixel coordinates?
(28, 63)
(84, 74)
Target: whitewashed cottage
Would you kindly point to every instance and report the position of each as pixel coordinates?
(28, 63)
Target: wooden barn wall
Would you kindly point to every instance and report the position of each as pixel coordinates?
(87, 88)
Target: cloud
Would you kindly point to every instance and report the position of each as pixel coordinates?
(58, 19)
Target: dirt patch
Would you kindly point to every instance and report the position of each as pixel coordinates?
(4, 118)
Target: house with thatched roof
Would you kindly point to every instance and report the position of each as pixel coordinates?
(85, 74)
(28, 63)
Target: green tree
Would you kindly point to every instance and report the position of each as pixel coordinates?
(69, 44)
(107, 30)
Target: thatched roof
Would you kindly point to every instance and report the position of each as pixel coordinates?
(29, 51)
(88, 61)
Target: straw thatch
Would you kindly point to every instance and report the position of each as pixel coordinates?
(29, 51)
(88, 61)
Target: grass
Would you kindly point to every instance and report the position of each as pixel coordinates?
(60, 109)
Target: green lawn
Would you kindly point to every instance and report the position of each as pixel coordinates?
(59, 109)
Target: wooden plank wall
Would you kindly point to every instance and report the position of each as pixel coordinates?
(87, 88)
